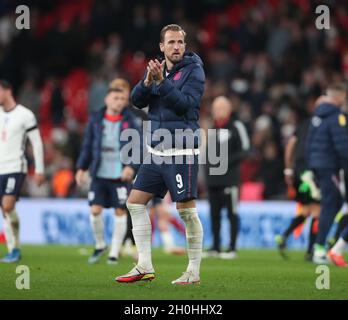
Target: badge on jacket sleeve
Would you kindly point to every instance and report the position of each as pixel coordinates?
(342, 120)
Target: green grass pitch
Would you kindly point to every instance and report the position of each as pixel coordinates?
(61, 272)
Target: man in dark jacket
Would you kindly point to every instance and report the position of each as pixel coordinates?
(327, 152)
(307, 196)
(172, 90)
(224, 189)
(101, 153)
(340, 239)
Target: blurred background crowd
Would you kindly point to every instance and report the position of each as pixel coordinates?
(266, 55)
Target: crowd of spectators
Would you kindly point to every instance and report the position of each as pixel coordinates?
(268, 57)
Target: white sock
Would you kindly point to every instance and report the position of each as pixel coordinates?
(97, 224)
(142, 234)
(339, 246)
(11, 228)
(8, 234)
(120, 230)
(194, 238)
(168, 241)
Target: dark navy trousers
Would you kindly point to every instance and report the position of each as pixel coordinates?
(331, 201)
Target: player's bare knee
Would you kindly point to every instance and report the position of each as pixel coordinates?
(96, 210)
(7, 207)
(139, 197)
(119, 212)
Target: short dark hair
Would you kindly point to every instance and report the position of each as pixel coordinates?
(171, 27)
(338, 86)
(5, 84)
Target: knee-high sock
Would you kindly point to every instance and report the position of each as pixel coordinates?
(295, 222)
(97, 224)
(142, 234)
(312, 234)
(11, 228)
(234, 220)
(120, 230)
(129, 233)
(194, 237)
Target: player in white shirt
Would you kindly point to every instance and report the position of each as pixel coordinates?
(17, 123)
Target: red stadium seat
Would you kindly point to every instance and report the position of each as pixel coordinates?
(75, 87)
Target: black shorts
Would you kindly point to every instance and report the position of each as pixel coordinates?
(108, 193)
(11, 184)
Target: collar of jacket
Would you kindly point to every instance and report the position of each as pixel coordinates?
(326, 109)
(188, 58)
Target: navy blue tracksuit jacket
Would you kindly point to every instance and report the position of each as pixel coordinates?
(90, 154)
(327, 153)
(327, 141)
(175, 103)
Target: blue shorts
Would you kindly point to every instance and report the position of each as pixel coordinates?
(179, 179)
(108, 193)
(11, 184)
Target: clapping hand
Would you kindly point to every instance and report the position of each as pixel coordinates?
(155, 69)
(148, 80)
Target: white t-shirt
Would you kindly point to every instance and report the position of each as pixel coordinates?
(14, 128)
